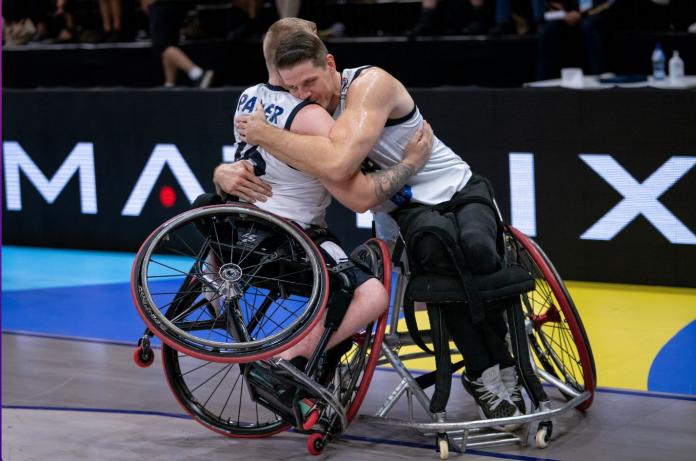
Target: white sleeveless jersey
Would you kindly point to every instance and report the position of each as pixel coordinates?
(296, 195)
(443, 175)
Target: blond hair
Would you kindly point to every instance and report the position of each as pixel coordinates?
(278, 31)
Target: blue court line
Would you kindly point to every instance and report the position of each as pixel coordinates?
(99, 410)
(347, 437)
(605, 390)
(78, 339)
(30, 267)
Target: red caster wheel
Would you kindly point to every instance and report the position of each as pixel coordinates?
(315, 444)
(143, 357)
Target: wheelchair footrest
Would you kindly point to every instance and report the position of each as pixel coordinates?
(282, 395)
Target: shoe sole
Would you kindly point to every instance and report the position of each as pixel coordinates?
(207, 80)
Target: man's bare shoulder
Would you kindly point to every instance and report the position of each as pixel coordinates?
(373, 74)
(374, 80)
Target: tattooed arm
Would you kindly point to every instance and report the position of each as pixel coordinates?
(363, 191)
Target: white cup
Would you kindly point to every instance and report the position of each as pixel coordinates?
(572, 77)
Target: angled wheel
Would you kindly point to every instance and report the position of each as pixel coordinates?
(558, 339)
(217, 396)
(229, 283)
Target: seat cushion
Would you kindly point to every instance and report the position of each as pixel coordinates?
(506, 283)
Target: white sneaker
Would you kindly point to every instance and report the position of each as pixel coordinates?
(205, 80)
(512, 384)
(492, 397)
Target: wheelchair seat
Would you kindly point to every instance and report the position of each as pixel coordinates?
(506, 283)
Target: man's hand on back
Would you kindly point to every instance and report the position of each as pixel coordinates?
(419, 147)
(238, 179)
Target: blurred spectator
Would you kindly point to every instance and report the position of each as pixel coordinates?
(566, 22)
(19, 18)
(430, 21)
(676, 14)
(166, 18)
(512, 17)
(65, 11)
(477, 23)
(38, 20)
(111, 14)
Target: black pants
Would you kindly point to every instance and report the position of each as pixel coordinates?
(482, 345)
(166, 19)
(558, 40)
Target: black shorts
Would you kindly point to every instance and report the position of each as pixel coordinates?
(356, 275)
(166, 19)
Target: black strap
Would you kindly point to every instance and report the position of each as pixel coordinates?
(412, 325)
(428, 379)
(443, 360)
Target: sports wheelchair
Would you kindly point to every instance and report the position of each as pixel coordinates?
(228, 287)
(546, 337)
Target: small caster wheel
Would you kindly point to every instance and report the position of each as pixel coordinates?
(443, 446)
(543, 434)
(315, 444)
(143, 357)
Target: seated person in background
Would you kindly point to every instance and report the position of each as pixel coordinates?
(587, 18)
(166, 18)
(258, 177)
(510, 17)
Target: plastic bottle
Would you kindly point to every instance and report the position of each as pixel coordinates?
(658, 63)
(676, 69)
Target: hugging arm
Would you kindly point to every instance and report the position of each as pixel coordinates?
(372, 99)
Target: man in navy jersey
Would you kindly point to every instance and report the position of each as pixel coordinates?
(375, 117)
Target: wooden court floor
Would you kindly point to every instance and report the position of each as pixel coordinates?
(76, 399)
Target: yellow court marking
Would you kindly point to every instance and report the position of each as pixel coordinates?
(627, 326)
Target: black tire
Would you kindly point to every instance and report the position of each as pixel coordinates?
(216, 395)
(229, 283)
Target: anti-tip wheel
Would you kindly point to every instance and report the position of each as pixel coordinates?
(143, 357)
(542, 437)
(315, 444)
(443, 447)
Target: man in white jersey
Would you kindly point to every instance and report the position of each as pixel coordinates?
(303, 198)
(375, 116)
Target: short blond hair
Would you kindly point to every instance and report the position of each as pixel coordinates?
(279, 30)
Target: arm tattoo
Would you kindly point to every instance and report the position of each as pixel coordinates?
(388, 182)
